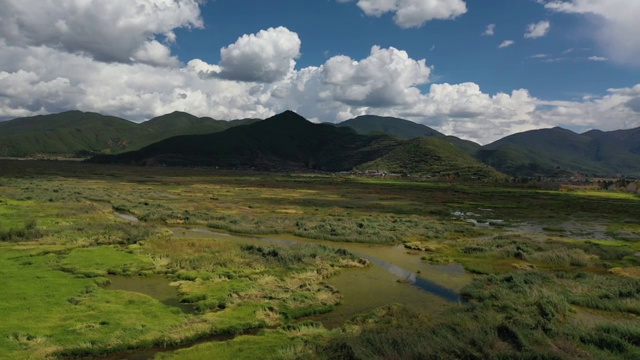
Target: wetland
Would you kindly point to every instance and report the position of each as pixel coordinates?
(115, 262)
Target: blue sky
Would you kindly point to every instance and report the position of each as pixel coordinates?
(455, 48)
(429, 61)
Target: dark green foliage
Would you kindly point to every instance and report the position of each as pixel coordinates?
(432, 157)
(369, 229)
(604, 252)
(627, 139)
(191, 299)
(181, 123)
(554, 152)
(396, 333)
(120, 208)
(285, 141)
(523, 315)
(402, 129)
(547, 152)
(610, 293)
(121, 233)
(80, 134)
(297, 313)
(29, 231)
(69, 133)
(617, 339)
(554, 293)
(297, 255)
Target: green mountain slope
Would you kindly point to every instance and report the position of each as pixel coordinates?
(76, 133)
(433, 157)
(402, 129)
(288, 141)
(181, 123)
(67, 133)
(469, 147)
(285, 141)
(627, 139)
(553, 152)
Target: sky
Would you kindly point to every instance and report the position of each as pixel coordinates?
(476, 69)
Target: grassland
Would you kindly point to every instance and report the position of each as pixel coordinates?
(555, 274)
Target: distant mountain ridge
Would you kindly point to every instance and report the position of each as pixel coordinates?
(181, 123)
(292, 142)
(627, 139)
(551, 152)
(76, 133)
(286, 141)
(69, 133)
(400, 128)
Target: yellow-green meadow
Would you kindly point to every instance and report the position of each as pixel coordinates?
(179, 263)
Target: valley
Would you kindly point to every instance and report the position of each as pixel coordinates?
(111, 261)
(319, 180)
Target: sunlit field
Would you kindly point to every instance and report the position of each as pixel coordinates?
(174, 263)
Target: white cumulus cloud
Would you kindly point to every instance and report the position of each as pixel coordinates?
(263, 57)
(111, 31)
(256, 76)
(615, 25)
(616, 110)
(413, 13)
(537, 30)
(465, 110)
(40, 80)
(386, 78)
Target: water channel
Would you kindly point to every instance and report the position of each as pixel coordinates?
(397, 275)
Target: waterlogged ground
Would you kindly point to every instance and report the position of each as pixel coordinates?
(363, 289)
(125, 262)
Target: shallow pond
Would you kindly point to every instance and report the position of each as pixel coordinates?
(402, 267)
(154, 286)
(425, 288)
(397, 275)
(364, 290)
(444, 281)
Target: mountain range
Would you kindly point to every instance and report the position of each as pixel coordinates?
(287, 141)
(283, 142)
(81, 134)
(557, 151)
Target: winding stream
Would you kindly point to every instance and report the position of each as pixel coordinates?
(425, 288)
(369, 252)
(394, 259)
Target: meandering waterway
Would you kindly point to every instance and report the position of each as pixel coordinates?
(397, 275)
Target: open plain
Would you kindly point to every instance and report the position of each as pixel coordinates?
(176, 263)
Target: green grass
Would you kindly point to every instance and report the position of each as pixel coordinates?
(100, 261)
(269, 345)
(52, 310)
(521, 315)
(528, 290)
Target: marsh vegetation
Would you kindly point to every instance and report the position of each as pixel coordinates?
(547, 274)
